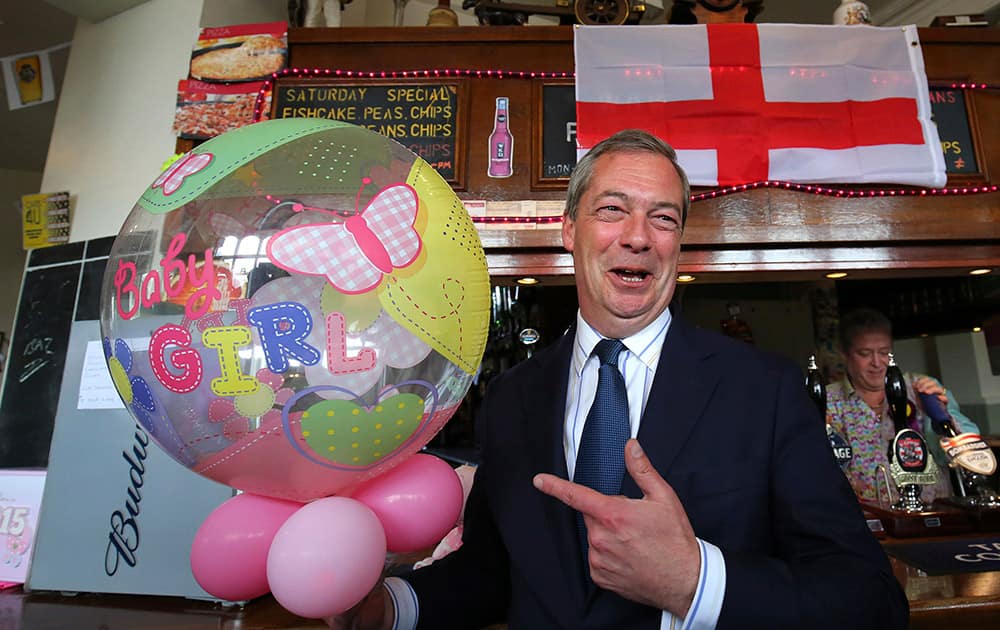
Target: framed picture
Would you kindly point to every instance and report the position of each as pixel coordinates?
(554, 138)
(953, 110)
(425, 116)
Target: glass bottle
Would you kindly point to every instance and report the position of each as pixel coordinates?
(501, 143)
(734, 326)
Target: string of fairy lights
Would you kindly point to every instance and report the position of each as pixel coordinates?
(262, 102)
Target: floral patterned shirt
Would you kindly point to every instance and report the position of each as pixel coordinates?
(870, 435)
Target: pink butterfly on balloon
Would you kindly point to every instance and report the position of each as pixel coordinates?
(172, 178)
(356, 251)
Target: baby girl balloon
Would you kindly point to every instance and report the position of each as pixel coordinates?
(295, 307)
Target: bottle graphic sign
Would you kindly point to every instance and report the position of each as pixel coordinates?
(501, 143)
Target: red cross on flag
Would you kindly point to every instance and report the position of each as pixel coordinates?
(745, 102)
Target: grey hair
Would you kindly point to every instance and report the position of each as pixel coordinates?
(625, 141)
(861, 321)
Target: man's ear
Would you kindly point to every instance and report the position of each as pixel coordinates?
(568, 226)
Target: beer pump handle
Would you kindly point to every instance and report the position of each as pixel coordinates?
(895, 394)
(815, 386)
(940, 418)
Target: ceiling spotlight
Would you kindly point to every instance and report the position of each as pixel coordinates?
(836, 275)
(685, 278)
(979, 272)
(527, 281)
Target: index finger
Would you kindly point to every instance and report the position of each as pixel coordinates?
(579, 497)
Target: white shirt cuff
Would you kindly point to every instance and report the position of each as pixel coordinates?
(404, 601)
(708, 595)
(703, 614)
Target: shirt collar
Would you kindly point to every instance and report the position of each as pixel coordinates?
(847, 385)
(645, 345)
(847, 390)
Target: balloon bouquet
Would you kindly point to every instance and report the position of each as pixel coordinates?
(294, 309)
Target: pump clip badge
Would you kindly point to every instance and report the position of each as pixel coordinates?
(911, 451)
(842, 450)
(910, 463)
(970, 452)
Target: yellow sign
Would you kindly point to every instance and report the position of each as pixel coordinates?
(29, 78)
(45, 219)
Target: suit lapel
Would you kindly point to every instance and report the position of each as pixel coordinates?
(684, 382)
(545, 410)
(682, 387)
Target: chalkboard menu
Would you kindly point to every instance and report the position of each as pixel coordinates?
(61, 283)
(423, 116)
(558, 131)
(951, 115)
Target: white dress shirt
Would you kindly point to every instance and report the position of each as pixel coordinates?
(638, 365)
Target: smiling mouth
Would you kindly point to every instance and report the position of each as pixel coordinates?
(634, 276)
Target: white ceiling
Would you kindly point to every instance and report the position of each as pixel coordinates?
(28, 25)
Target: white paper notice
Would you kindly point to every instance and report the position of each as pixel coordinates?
(96, 389)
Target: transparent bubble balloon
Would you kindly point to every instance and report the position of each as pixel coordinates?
(295, 307)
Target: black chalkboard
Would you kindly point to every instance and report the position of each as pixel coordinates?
(61, 283)
(558, 131)
(951, 115)
(423, 116)
(34, 371)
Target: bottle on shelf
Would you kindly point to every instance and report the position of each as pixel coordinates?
(735, 327)
(442, 15)
(501, 143)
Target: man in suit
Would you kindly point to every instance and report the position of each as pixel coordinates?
(725, 509)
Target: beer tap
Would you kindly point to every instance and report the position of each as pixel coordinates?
(895, 394)
(967, 452)
(910, 464)
(815, 386)
(816, 389)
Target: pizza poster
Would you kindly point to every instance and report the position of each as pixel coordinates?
(245, 52)
(45, 219)
(205, 110)
(20, 495)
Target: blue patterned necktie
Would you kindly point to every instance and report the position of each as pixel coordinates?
(600, 460)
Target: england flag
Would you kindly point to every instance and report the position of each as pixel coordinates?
(745, 102)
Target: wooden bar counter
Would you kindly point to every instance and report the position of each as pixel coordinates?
(954, 601)
(958, 601)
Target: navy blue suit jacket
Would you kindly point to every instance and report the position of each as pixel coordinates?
(732, 430)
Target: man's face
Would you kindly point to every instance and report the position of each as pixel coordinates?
(626, 240)
(867, 360)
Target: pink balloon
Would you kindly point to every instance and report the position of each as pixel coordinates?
(326, 557)
(229, 551)
(418, 502)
